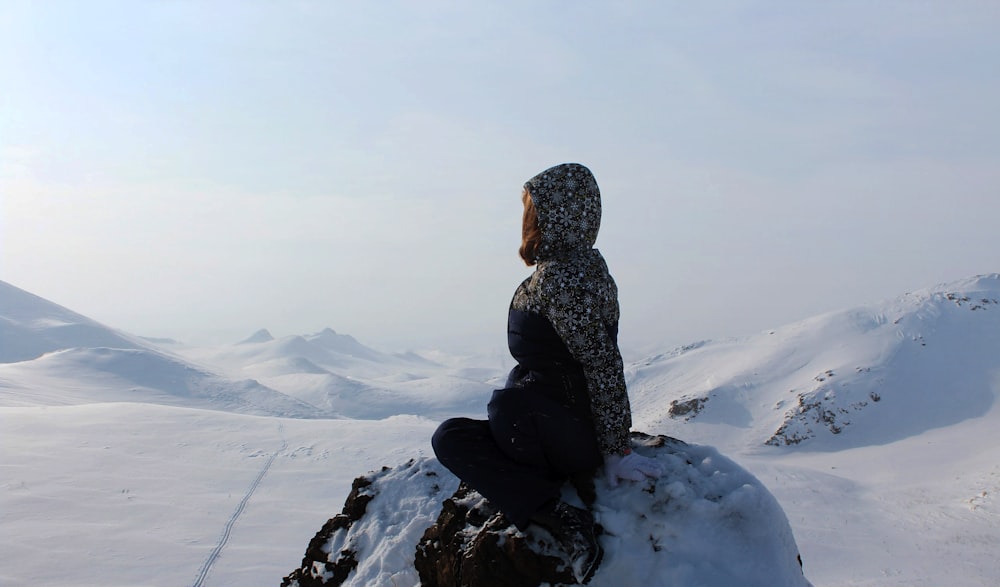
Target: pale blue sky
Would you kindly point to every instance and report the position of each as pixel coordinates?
(203, 169)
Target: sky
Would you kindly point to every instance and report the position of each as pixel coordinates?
(200, 170)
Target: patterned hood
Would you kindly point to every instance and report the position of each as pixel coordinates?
(568, 202)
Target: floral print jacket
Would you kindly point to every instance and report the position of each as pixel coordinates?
(572, 288)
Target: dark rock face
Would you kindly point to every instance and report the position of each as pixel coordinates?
(471, 544)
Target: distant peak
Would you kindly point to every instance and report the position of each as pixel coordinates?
(261, 335)
(332, 335)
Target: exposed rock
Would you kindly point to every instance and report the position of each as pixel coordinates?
(687, 408)
(471, 544)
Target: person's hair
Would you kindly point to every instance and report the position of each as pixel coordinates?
(531, 235)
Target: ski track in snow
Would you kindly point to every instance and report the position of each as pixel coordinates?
(214, 556)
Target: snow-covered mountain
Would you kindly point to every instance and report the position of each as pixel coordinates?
(868, 375)
(50, 355)
(341, 377)
(31, 326)
(875, 428)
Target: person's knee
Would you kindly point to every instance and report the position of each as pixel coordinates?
(450, 438)
(439, 440)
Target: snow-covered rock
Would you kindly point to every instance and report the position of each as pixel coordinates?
(706, 522)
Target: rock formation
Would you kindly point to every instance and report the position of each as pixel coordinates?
(706, 522)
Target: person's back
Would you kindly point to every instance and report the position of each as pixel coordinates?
(564, 409)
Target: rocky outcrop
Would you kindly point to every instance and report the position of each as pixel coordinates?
(473, 544)
(321, 566)
(705, 522)
(384, 516)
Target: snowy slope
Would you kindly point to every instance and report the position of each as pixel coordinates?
(868, 375)
(50, 355)
(919, 512)
(97, 375)
(31, 326)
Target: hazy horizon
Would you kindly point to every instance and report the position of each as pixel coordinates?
(203, 170)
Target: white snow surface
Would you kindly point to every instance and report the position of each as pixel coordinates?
(126, 463)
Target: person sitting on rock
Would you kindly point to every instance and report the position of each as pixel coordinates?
(564, 410)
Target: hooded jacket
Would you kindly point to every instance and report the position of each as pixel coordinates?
(563, 325)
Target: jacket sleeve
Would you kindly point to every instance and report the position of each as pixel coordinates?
(573, 307)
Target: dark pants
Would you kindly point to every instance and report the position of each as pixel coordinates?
(522, 455)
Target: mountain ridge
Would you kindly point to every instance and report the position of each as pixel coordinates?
(827, 382)
(31, 326)
(840, 374)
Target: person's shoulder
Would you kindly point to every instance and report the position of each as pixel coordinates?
(578, 272)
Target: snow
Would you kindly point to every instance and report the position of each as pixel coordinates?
(699, 510)
(140, 494)
(127, 463)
